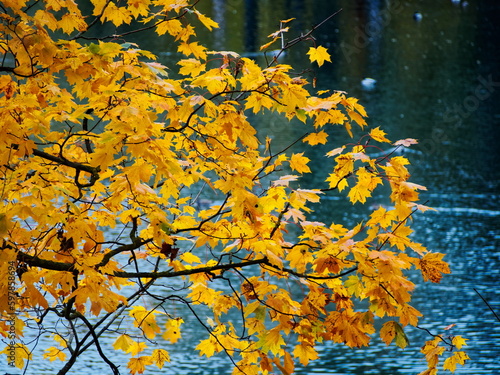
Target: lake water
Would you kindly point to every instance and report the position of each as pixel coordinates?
(437, 80)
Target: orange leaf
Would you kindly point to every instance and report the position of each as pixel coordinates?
(433, 267)
(392, 330)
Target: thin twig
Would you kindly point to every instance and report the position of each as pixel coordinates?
(487, 304)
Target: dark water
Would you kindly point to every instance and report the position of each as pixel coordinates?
(437, 80)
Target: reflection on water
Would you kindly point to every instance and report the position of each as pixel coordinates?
(437, 82)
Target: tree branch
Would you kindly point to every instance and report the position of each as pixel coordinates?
(97, 345)
(132, 246)
(302, 37)
(59, 266)
(311, 277)
(94, 171)
(157, 275)
(35, 261)
(487, 304)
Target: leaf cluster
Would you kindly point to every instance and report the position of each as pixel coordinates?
(138, 197)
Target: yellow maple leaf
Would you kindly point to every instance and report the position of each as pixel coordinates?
(381, 217)
(138, 365)
(22, 353)
(258, 102)
(159, 357)
(157, 69)
(457, 358)
(61, 341)
(72, 21)
(357, 118)
(145, 320)
(207, 22)
(208, 347)
(136, 347)
(288, 367)
(191, 67)
(320, 55)
(194, 49)
(123, 342)
(117, 15)
(316, 138)
(408, 315)
(379, 135)
(432, 350)
(173, 330)
(304, 195)
(190, 258)
(46, 18)
(305, 353)
(173, 27)
(54, 353)
(35, 297)
(337, 182)
(365, 184)
(433, 267)
(298, 162)
(139, 7)
(459, 341)
(359, 193)
(271, 341)
(345, 165)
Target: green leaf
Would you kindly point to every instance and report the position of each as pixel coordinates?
(94, 48)
(166, 228)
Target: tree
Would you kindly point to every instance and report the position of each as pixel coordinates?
(129, 187)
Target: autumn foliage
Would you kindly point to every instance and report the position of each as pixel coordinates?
(129, 187)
